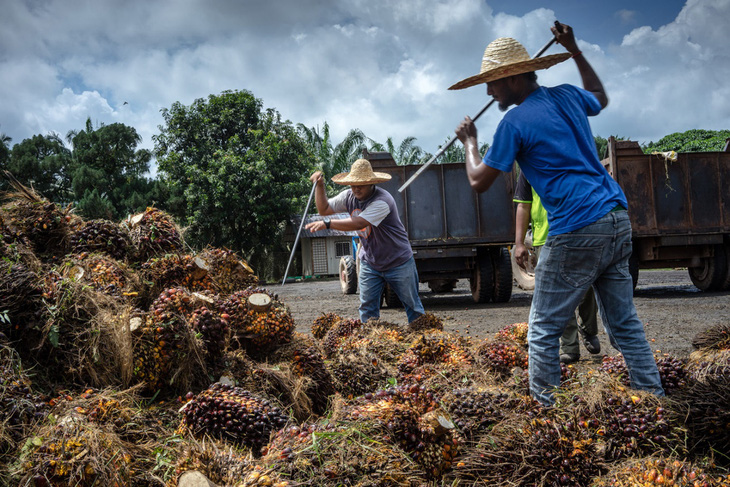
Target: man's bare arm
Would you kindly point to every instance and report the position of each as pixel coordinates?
(480, 175)
(590, 79)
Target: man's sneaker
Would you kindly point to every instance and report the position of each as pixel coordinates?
(569, 358)
(592, 344)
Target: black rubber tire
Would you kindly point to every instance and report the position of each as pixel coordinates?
(391, 298)
(348, 274)
(482, 280)
(502, 267)
(710, 276)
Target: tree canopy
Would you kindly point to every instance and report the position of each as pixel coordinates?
(239, 170)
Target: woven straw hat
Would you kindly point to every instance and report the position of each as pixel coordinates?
(361, 173)
(506, 57)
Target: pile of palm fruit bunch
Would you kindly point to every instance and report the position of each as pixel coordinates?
(103, 273)
(154, 233)
(427, 321)
(175, 270)
(322, 324)
(501, 357)
(232, 413)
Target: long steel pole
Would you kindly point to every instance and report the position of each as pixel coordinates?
(454, 138)
(299, 232)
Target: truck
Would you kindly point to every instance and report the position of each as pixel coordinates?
(455, 233)
(679, 206)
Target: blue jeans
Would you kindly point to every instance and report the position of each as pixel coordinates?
(403, 279)
(597, 254)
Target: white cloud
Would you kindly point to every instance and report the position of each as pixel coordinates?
(379, 66)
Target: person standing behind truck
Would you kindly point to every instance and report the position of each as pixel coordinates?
(385, 252)
(589, 241)
(530, 210)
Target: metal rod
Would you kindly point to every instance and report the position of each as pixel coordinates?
(299, 232)
(454, 138)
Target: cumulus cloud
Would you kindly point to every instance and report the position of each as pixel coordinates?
(382, 67)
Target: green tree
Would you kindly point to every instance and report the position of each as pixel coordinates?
(106, 160)
(695, 140)
(456, 153)
(42, 162)
(241, 172)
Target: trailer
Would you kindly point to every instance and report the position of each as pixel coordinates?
(455, 233)
(679, 205)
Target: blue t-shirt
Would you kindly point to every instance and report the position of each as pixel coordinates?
(549, 136)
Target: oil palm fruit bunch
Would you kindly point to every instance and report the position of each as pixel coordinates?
(410, 417)
(177, 270)
(357, 372)
(673, 372)
(214, 331)
(615, 366)
(221, 464)
(161, 340)
(20, 406)
(708, 419)
(103, 236)
(308, 362)
(387, 343)
(229, 271)
(232, 413)
(322, 324)
(258, 329)
(339, 331)
(714, 338)
(653, 471)
(474, 411)
(427, 321)
(438, 351)
(554, 452)
(103, 273)
(21, 293)
(44, 224)
(502, 357)
(516, 332)
(632, 425)
(153, 232)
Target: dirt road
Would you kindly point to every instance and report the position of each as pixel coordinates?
(672, 309)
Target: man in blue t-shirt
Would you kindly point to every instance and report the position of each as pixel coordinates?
(589, 241)
(385, 252)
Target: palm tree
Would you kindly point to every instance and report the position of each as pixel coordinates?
(331, 159)
(406, 153)
(4, 148)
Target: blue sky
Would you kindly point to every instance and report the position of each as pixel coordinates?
(381, 66)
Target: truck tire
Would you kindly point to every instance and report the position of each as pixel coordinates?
(442, 285)
(348, 274)
(391, 298)
(710, 275)
(525, 279)
(482, 280)
(502, 266)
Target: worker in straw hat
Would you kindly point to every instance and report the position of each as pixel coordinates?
(589, 238)
(385, 253)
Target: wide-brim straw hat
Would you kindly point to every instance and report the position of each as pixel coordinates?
(506, 57)
(361, 173)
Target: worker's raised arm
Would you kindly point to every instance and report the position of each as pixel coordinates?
(480, 175)
(320, 196)
(590, 79)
